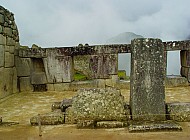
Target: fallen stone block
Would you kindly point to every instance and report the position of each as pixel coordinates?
(65, 104)
(56, 106)
(99, 105)
(136, 126)
(179, 111)
(110, 124)
(70, 117)
(52, 118)
(82, 124)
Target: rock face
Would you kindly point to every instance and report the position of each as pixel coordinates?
(99, 104)
(9, 41)
(179, 111)
(147, 97)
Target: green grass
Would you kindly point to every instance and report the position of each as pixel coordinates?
(79, 77)
(122, 75)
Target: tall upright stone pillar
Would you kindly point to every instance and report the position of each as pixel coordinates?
(147, 95)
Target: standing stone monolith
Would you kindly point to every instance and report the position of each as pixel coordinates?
(147, 95)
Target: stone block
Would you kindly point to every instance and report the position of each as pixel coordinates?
(185, 72)
(99, 104)
(15, 80)
(154, 126)
(175, 81)
(6, 48)
(25, 84)
(62, 86)
(2, 55)
(38, 78)
(9, 60)
(110, 124)
(70, 116)
(8, 31)
(50, 87)
(1, 29)
(52, 118)
(10, 41)
(112, 81)
(2, 40)
(185, 58)
(6, 82)
(66, 103)
(59, 69)
(76, 85)
(147, 92)
(83, 124)
(2, 19)
(23, 66)
(179, 111)
(55, 106)
(101, 83)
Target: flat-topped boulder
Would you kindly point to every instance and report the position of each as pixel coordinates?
(100, 104)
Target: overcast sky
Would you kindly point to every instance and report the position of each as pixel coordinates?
(70, 22)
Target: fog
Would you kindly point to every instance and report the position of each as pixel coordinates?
(51, 23)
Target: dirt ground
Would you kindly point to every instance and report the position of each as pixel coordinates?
(21, 107)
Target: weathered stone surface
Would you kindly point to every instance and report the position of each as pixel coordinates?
(23, 66)
(15, 81)
(154, 126)
(185, 72)
(6, 82)
(8, 31)
(38, 78)
(10, 41)
(2, 55)
(32, 53)
(101, 83)
(99, 104)
(76, 85)
(185, 58)
(58, 68)
(2, 40)
(2, 19)
(179, 111)
(52, 118)
(110, 124)
(65, 104)
(81, 64)
(82, 124)
(112, 81)
(147, 92)
(55, 106)
(70, 116)
(174, 81)
(50, 87)
(1, 29)
(62, 86)
(9, 60)
(25, 84)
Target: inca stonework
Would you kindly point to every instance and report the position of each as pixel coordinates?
(9, 41)
(99, 102)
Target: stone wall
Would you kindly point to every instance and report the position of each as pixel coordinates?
(9, 42)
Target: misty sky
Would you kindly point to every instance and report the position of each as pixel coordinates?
(50, 23)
